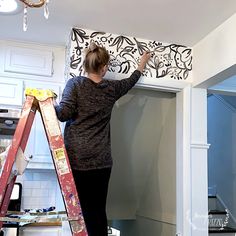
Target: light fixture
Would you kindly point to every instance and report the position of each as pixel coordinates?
(9, 7)
(29, 3)
(34, 4)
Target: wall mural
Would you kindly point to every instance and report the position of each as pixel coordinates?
(168, 60)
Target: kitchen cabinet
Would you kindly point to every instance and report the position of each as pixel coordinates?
(31, 65)
(28, 60)
(31, 61)
(43, 85)
(37, 146)
(11, 91)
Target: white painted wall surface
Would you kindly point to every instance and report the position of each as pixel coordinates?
(191, 197)
(198, 216)
(183, 171)
(215, 54)
(144, 150)
(144, 226)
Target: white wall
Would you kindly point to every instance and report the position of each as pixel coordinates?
(144, 149)
(214, 56)
(144, 226)
(222, 153)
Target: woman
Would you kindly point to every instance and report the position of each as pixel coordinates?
(86, 105)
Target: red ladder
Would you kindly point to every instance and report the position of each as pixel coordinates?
(42, 100)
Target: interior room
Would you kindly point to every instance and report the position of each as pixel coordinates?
(221, 156)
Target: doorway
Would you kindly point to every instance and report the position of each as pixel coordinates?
(222, 161)
(142, 194)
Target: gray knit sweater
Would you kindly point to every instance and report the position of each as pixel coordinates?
(87, 107)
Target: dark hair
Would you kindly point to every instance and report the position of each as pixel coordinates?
(95, 58)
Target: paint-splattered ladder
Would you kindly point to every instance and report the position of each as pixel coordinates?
(42, 101)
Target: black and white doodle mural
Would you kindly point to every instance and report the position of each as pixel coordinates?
(168, 60)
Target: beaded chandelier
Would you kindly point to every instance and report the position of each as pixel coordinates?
(34, 4)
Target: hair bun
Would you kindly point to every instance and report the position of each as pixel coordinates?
(93, 46)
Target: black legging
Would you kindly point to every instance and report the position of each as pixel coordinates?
(92, 187)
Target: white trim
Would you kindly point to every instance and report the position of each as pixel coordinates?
(166, 85)
(200, 145)
(198, 160)
(183, 163)
(164, 88)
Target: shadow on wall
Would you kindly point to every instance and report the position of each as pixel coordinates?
(137, 130)
(126, 120)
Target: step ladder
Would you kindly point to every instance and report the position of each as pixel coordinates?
(42, 101)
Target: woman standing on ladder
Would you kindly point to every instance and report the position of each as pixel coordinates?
(86, 106)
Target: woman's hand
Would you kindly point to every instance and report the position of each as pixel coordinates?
(143, 61)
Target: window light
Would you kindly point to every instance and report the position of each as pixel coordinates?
(8, 6)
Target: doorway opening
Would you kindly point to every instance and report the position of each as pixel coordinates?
(221, 115)
(142, 192)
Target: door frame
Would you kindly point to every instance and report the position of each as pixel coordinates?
(191, 162)
(191, 154)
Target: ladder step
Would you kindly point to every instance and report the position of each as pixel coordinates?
(42, 101)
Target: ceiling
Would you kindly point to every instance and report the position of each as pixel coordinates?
(226, 87)
(183, 22)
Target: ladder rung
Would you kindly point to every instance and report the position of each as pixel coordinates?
(42, 101)
(38, 219)
(36, 213)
